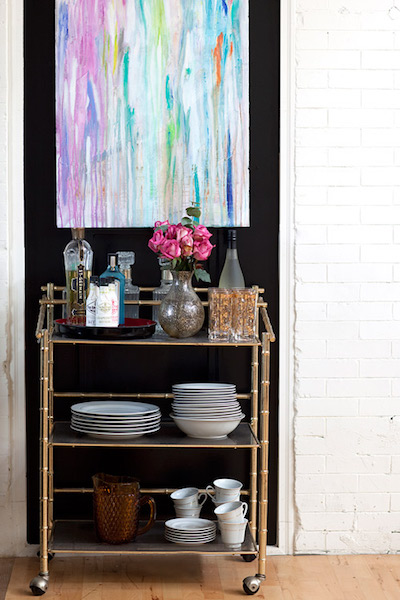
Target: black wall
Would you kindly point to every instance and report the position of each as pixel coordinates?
(135, 370)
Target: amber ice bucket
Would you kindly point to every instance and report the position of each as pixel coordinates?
(116, 506)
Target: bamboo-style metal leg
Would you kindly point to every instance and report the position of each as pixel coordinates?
(50, 447)
(264, 423)
(50, 324)
(38, 584)
(254, 451)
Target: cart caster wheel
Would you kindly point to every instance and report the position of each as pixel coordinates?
(251, 585)
(39, 585)
(249, 557)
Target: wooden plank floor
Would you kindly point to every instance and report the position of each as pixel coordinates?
(370, 577)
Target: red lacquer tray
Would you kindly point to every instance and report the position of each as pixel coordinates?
(133, 328)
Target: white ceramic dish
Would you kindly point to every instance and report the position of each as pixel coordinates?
(114, 434)
(208, 429)
(203, 386)
(103, 429)
(132, 419)
(207, 394)
(194, 525)
(222, 401)
(112, 408)
(188, 538)
(211, 409)
(134, 423)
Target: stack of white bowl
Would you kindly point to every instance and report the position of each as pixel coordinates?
(188, 502)
(206, 410)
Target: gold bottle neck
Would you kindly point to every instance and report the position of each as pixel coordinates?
(78, 233)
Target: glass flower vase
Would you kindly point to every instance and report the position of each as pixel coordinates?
(181, 312)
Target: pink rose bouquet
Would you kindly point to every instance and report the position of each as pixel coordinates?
(184, 244)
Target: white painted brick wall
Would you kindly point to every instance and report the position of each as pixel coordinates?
(347, 257)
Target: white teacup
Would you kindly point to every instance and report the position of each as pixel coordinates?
(188, 498)
(231, 511)
(225, 490)
(193, 511)
(233, 533)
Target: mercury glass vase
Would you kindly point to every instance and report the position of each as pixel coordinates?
(181, 312)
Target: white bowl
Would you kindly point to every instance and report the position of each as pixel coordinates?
(207, 429)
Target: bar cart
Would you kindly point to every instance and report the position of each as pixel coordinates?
(78, 537)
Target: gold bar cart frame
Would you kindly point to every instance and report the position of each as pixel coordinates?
(259, 424)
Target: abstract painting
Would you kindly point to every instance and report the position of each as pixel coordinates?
(152, 111)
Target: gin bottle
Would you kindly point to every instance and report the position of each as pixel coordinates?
(114, 272)
(160, 292)
(231, 275)
(126, 260)
(78, 260)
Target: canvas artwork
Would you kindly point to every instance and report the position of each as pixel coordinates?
(152, 111)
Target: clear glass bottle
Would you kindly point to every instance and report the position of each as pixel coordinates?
(92, 301)
(78, 261)
(114, 272)
(126, 260)
(231, 274)
(160, 292)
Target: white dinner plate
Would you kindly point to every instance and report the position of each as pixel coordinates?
(206, 413)
(203, 386)
(111, 419)
(114, 433)
(111, 408)
(207, 402)
(193, 542)
(126, 423)
(221, 419)
(188, 534)
(114, 429)
(206, 396)
(190, 524)
(210, 408)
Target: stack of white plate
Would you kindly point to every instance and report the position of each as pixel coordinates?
(206, 410)
(190, 531)
(115, 419)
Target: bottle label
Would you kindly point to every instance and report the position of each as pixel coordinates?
(103, 312)
(91, 314)
(79, 285)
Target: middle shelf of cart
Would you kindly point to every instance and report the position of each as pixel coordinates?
(167, 437)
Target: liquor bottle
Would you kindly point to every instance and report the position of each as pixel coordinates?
(114, 272)
(104, 305)
(78, 260)
(231, 275)
(112, 292)
(92, 301)
(160, 292)
(126, 260)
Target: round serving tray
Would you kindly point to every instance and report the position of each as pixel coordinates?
(133, 328)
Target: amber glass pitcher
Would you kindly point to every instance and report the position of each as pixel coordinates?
(116, 506)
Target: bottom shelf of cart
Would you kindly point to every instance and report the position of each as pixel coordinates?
(78, 537)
